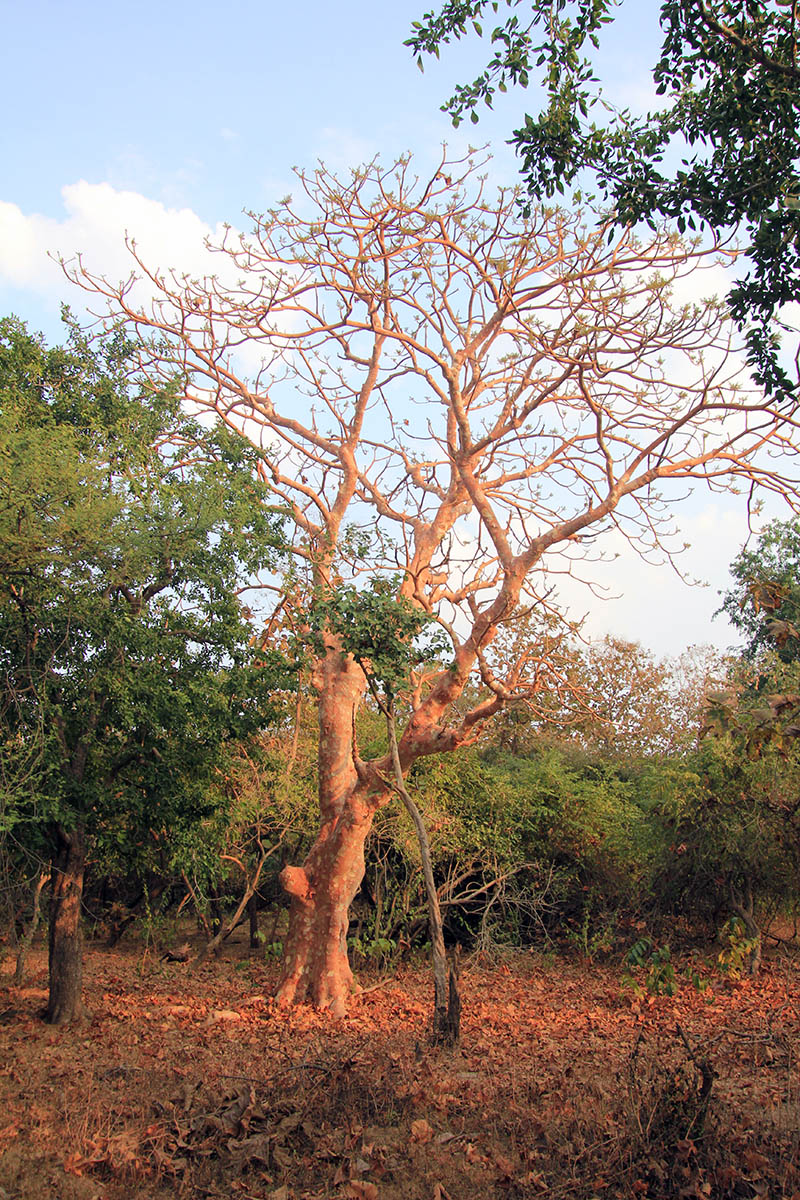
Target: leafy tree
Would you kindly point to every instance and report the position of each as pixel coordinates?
(741, 830)
(764, 602)
(635, 705)
(126, 530)
(730, 117)
(616, 700)
(736, 843)
(463, 398)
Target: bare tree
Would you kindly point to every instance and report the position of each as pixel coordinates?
(449, 392)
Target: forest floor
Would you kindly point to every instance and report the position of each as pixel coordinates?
(188, 1082)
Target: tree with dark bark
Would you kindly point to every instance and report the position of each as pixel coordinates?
(126, 530)
(463, 397)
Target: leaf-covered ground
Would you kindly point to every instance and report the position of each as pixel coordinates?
(189, 1083)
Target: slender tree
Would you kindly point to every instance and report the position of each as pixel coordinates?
(464, 397)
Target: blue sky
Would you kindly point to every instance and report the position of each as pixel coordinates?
(210, 106)
(167, 119)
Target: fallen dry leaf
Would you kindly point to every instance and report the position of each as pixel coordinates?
(362, 1190)
(421, 1131)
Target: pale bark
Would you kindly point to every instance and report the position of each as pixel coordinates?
(479, 397)
(31, 926)
(316, 965)
(446, 1000)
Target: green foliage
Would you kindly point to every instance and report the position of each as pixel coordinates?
(650, 968)
(764, 602)
(737, 950)
(549, 844)
(126, 531)
(381, 628)
(590, 941)
(695, 977)
(730, 82)
(733, 831)
(378, 950)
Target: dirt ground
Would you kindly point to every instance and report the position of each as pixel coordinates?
(188, 1082)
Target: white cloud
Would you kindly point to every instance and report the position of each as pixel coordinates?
(98, 223)
(97, 219)
(21, 261)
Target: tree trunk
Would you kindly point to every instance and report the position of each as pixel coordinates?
(316, 966)
(66, 967)
(252, 914)
(30, 928)
(446, 1000)
(215, 908)
(226, 928)
(744, 908)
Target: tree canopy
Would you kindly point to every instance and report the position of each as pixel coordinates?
(723, 149)
(764, 601)
(127, 530)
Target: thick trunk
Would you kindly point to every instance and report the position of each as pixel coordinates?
(316, 966)
(66, 968)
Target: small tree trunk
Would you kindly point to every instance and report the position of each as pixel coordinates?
(744, 908)
(30, 928)
(446, 1000)
(215, 909)
(225, 930)
(200, 916)
(65, 957)
(252, 913)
